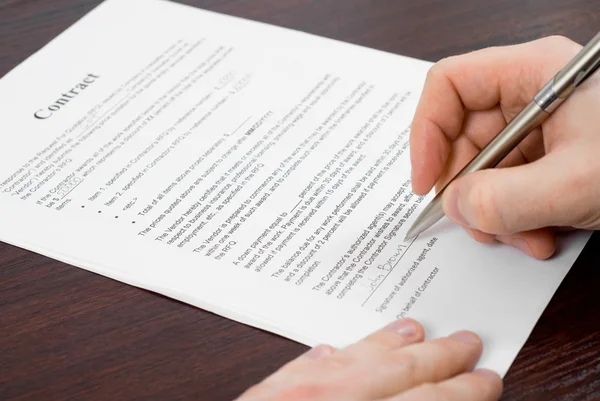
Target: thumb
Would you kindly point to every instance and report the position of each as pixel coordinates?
(504, 201)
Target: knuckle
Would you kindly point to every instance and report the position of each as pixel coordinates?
(561, 47)
(560, 41)
(479, 236)
(432, 73)
(339, 360)
(407, 361)
(473, 386)
(489, 386)
(556, 50)
(387, 340)
(445, 62)
(453, 346)
(439, 69)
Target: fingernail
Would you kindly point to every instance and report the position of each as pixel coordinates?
(522, 245)
(487, 374)
(453, 207)
(404, 327)
(465, 337)
(319, 351)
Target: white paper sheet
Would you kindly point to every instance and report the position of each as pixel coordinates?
(250, 170)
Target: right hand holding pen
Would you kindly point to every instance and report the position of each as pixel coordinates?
(551, 180)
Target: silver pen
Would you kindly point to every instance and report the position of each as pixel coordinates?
(581, 67)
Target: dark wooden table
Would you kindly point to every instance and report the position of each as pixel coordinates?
(68, 334)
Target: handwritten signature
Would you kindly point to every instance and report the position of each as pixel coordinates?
(373, 282)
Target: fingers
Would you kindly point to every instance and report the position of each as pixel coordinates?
(523, 198)
(320, 351)
(539, 244)
(482, 126)
(391, 361)
(397, 334)
(402, 368)
(506, 76)
(433, 360)
(463, 150)
(302, 362)
(480, 385)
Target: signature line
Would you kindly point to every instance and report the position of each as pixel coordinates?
(240, 126)
(71, 190)
(299, 202)
(391, 270)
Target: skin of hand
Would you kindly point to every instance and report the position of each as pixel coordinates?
(392, 364)
(549, 183)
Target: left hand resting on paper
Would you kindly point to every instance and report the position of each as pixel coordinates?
(391, 364)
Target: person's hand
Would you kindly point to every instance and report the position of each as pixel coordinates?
(392, 364)
(550, 182)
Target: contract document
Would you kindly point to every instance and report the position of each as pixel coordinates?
(254, 171)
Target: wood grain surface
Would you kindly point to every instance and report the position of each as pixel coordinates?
(68, 334)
